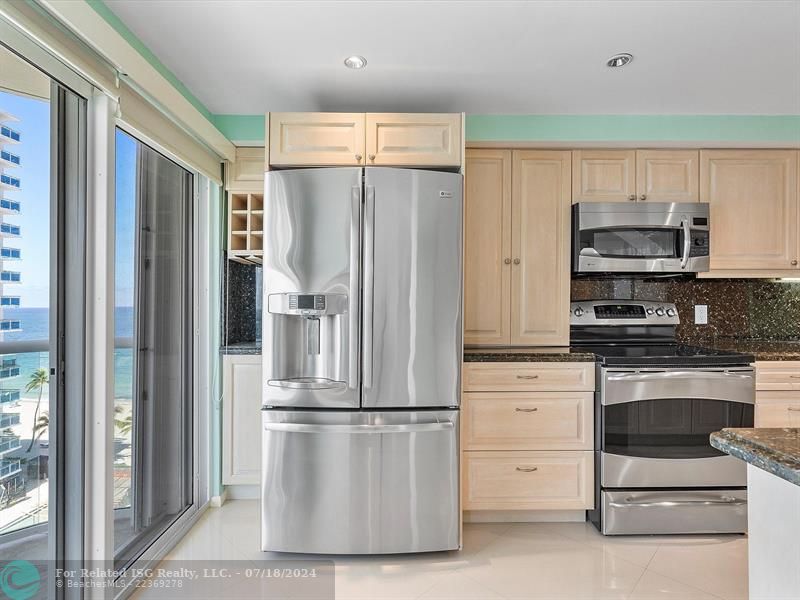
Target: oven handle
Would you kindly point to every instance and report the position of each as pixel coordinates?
(735, 377)
(746, 374)
(724, 500)
(687, 242)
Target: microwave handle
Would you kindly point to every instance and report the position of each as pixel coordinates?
(687, 242)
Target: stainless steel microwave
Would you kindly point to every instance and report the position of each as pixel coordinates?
(640, 237)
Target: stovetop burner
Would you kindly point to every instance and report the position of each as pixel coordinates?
(641, 333)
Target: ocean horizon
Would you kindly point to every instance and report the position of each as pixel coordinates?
(35, 323)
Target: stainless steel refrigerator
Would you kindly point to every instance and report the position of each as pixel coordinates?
(362, 355)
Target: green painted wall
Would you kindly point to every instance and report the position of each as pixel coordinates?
(587, 128)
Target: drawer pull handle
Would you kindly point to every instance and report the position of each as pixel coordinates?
(794, 376)
(793, 408)
(527, 377)
(528, 410)
(527, 469)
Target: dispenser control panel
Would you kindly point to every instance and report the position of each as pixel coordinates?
(308, 305)
(306, 302)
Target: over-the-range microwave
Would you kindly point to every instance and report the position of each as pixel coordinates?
(640, 237)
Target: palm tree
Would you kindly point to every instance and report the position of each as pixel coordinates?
(125, 424)
(39, 379)
(41, 425)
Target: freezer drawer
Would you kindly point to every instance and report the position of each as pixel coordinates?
(342, 482)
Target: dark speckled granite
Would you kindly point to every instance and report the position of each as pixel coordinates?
(761, 349)
(776, 451)
(529, 354)
(241, 304)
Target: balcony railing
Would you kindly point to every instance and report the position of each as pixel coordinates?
(9, 229)
(9, 180)
(9, 467)
(8, 361)
(8, 396)
(10, 325)
(8, 420)
(9, 300)
(11, 205)
(10, 276)
(9, 133)
(9, 443)
(9, 157)
(6, 373)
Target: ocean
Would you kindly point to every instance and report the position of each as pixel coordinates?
(35, 323)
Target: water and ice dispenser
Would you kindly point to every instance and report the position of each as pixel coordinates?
(310, 341)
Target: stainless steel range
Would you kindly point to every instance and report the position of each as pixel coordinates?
(656, 404)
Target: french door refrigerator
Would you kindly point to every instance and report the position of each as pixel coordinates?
(361, 356)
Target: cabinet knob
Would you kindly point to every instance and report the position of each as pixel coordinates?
(516, 261)
(632, 197)
(794, 263)
(507, 261)
(358, 157)
(643, 197)
(372, 157)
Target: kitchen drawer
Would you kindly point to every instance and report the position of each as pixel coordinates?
(527, 421)
(527, 480)
(778, 409)
(528, 377)
(778, 375)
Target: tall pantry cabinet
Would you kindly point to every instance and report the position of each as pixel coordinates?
(516, 257)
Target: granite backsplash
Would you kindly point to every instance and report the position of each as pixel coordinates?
(241, 302)
(757, 309)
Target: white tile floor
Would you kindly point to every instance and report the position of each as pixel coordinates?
(513, 561)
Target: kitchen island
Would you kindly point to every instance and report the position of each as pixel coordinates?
(773, 511)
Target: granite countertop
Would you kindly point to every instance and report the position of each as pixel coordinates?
(776, 451)
(242, 348)
(526, 354)
(762, 349)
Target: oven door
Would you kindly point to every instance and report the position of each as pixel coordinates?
(661, 239)
(655, 425)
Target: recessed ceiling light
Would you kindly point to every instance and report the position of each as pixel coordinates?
(619, 60)
(355, 62)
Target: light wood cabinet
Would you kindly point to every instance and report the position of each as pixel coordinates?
(540, 235)
(241, 419)
(635, 175)
(603, 175)
(668, 175)
(358, 139)
(527, 421)
(753, 197)
(527, 480)
(516, 248)
(246, 172)
(527, 435)
(246, 227)
(414, 139)
(528, 377)
(777, 394)
(487, 247)
(330, 139)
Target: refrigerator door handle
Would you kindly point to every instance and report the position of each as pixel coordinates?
(369, 283)
(350, 429)
(353, 316)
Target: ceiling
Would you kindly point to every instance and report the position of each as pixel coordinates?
(691, 56)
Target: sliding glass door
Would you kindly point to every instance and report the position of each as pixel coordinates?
(153, 426)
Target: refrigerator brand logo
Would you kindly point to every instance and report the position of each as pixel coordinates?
(443, 194)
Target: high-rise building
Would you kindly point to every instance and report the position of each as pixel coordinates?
(11, 479)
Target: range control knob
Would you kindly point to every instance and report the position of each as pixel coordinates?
(660, 311)
(650, 310)
(671, 312)
(579, 312)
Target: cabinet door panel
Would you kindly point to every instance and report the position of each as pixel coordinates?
(298, 139)
(487, 243)
(777, 409)
(540, 272)
(603, 175)
(241, 420)
(668, 175)
(413, 139)
(754, 213)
